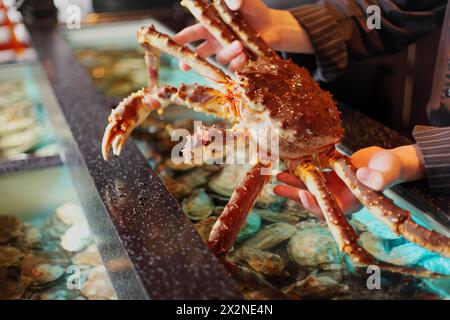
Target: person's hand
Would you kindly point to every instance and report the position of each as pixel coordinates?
(377, 168)
(278, 28)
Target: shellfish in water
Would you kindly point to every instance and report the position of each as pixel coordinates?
(314, 247)
(44, 268)
(98, 286)
(198, 205)
(316, 286)
(270, 236)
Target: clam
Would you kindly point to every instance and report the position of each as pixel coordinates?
(32, 238)
(270, 236)
(311, 223)
(183, 186)
(90, 256)
(251, 226)
(227, 179)
(10, 228)
(198, 205)
(44, 268)
(263, 261)
(76, 238)
(317, 286)
(10, 256)
(54, 228)
(358, 225)
(273, 216)
(372, 244)
(98, 285)
(70, 213)
(314, 247)
(178, 166)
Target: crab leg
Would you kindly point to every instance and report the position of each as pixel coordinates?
(245, 32)
(397, 219)
(152, 58)
(134, 109)
(226, 228)
(154, 42)
(207, 15)
(341, 229)
(343, 233)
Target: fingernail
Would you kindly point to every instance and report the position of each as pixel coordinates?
(363, 174)
(276, 190)
(233, 4)
(280, 175)
(236, 45)
(371, 178)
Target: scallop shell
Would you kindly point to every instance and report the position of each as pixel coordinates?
(76, 238)
(98, 285)
(198, 205)
(270, 236)
(44, 268)
(90, 256)
(314, 247)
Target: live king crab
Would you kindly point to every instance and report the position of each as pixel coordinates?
(273, 94)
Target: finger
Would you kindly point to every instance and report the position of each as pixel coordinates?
(208, 48)
(290, 179)
(238, 62)
(382, 171)
(298, 195)
(309, 202)
(191, 33)
(345, 199)
(205, 49)
(230, 52)
(234, 4)
(371, 178)
(287, 192)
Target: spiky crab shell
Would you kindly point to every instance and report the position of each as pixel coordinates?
(281, 95)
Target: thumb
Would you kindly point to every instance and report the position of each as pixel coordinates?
(372, 178)
(383, 170)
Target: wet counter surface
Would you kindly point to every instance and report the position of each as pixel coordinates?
(159, 244)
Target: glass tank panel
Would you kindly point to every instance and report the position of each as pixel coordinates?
(24, 128)
(47, 251)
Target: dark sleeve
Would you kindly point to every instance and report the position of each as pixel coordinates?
(338, 29)
(434, 146)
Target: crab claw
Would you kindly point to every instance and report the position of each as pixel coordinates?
(114, 136)
(131, 112)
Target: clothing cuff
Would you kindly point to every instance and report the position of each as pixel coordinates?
(328, 43)
(434, 146)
